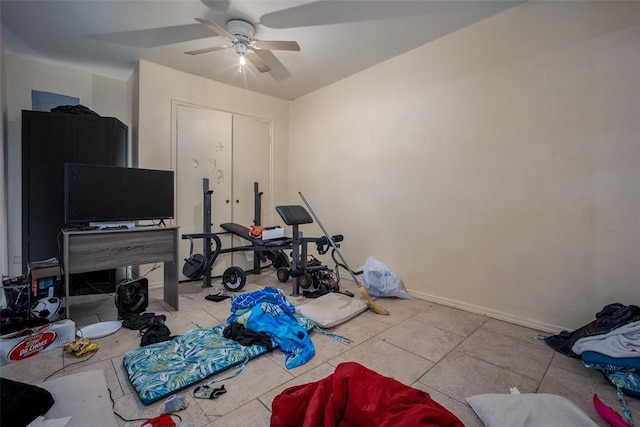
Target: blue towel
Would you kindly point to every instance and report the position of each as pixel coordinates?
(621, 363)
(269, 311)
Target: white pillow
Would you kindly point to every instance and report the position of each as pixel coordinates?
(529, 409)
(332, 309)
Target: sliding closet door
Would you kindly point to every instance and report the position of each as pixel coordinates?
(203, 150)
(251, 163)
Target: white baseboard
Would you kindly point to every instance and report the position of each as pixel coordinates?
(494, 314)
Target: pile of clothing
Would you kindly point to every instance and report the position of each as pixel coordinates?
(268, 311)
(151, 326)
(610, 344)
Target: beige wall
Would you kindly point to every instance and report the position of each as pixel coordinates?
(105, 96)
(495, 169)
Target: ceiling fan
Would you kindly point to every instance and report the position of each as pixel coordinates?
(240, 34)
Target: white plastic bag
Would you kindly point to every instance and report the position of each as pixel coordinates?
(379, 281)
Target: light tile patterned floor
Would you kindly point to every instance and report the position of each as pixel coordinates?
(449, 353)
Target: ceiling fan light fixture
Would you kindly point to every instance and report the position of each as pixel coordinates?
(240, 34)
(241, 50)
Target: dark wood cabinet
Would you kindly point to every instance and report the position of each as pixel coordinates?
(49, 140)
(99, 140)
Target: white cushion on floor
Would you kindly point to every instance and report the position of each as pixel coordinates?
(332, 309)
(529, 409)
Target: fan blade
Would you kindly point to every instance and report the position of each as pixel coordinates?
(206, 50)
(258, 62)
(276, 45)
(218, 29)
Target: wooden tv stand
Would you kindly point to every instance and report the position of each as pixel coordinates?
(94, 250)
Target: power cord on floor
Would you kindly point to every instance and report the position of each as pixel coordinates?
(113, 408)
(64, 367)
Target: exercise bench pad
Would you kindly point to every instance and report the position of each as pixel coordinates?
(294, 215)
(242, 231)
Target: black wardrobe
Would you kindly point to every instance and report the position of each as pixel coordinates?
(49, 140)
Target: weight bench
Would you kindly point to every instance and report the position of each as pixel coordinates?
(234, 277)
(273, 248)
(305, 273)
(242, 231)
(199, 265)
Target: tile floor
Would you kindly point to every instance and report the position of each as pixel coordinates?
(449, 353)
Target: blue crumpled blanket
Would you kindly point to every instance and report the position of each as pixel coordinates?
(269, 311)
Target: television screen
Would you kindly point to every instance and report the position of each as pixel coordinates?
(95, 193)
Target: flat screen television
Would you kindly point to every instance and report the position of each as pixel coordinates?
(105, 194)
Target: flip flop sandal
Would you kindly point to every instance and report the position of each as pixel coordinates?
(206, 392)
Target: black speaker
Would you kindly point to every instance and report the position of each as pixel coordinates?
(132, 297)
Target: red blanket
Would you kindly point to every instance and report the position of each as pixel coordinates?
(356, 396)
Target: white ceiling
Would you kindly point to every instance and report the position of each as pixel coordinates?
(336, 38)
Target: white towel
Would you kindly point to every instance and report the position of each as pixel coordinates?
(623, 341)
